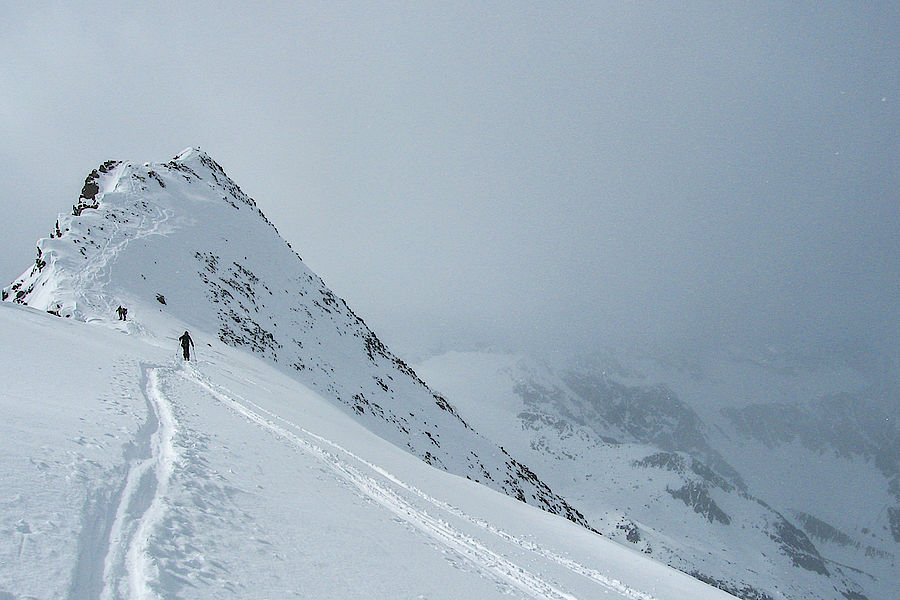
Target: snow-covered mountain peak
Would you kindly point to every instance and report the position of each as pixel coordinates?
(190, 151)
(121, 210)
(182, 247)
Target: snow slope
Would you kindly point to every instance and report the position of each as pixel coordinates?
(128, 473)
(296, 458)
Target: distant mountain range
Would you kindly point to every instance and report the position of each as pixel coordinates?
(767, 482)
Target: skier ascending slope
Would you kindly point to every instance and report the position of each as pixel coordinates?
(186, 344)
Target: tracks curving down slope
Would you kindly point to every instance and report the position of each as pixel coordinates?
(128, 567)
(388, 491)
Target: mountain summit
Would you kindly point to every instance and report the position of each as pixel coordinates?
(182, 239)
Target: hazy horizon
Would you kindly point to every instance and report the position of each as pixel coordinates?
(546, 178)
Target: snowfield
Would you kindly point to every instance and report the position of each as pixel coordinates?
(128, 473)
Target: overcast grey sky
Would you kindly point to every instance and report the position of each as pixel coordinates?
(550, 174)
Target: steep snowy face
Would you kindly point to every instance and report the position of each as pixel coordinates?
(182, 238)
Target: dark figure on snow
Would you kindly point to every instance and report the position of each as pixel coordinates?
(186, 344)
(123, 313)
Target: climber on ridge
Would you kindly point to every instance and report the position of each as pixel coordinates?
(186, 344)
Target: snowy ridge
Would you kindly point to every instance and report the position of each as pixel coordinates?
(166, 496)
(182, 239)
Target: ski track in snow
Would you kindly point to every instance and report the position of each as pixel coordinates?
(483, 558)
(568, 563)
(128, 566)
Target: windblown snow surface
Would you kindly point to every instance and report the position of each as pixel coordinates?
(130, 473)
